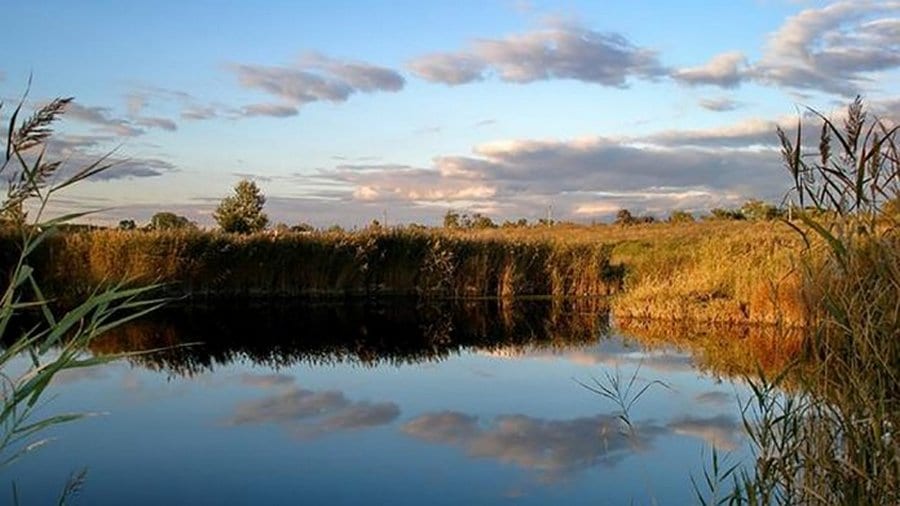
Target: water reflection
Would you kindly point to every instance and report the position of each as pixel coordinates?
(473, 402)
(723, 350)
(308, 413)
(721, 431)
(555, 449)
(362, 334)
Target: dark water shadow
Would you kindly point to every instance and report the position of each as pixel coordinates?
(394, 332)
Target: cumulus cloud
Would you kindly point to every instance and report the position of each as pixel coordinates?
(316, 78)
(584, 178)
(273, 110)
(726, 70)
(199, 112)
(835, 49)
(102, 117)
(449, 68)
(190, 106)
(78, 151)
(555, 52)
(154, 122)
(360, 75)
(744, 133)
(135, 103)
(721, 104)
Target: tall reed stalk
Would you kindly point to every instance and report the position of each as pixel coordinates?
(31, 327)
(834, 441)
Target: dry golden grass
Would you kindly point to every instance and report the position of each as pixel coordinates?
(717, 271)
(712, 271)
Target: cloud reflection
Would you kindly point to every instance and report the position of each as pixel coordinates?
(554, 449)
(558, 449)
(308, 413)
(721, 431)
(609, 353)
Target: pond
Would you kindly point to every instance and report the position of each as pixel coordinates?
(400, 403)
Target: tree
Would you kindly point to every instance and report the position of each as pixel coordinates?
(679, 216)
(481, 221)
(451, 219)
(242, 213)
(755, 209)
(169, 221)
(719, 213)
(624, 217)
(127, 225)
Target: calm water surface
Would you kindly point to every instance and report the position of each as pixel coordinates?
(388, 404)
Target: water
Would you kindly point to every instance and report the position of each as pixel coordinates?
(394, 404)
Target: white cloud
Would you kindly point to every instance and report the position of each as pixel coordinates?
(726, 70)
(836, 49)
(273, 110)
(719, 104)
(553, 52)
(317, 78)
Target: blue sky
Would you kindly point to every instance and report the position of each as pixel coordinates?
(346, 111)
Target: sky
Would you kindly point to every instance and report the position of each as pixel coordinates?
(349, 111)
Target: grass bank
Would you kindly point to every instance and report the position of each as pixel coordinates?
(722, 272)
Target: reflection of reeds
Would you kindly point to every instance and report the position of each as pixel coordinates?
(323, 334)
(721, 349)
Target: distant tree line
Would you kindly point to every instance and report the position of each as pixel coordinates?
(754, 210)
(242, 213)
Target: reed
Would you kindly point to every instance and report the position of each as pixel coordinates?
(711, 271)
(52, 341)
(835, 441)
(211, 265)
